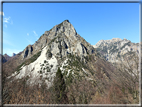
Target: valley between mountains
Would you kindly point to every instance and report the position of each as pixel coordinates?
(61, 67)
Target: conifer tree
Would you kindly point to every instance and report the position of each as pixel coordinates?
(59, 88)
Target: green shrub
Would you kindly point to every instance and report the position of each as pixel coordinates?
(47, 70)
(32, 59)
(45, 61)
(49, 54)
(40, 72)
(51, 66)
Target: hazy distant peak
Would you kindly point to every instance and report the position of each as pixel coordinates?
(116, 39)
(5, 55)
(13, 54)
(113, 49)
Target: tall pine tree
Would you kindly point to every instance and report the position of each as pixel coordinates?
(59, 87)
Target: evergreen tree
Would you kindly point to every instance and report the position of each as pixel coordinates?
(59, 88)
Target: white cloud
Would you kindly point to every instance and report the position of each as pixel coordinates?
(6, 20)
(28, 34)
(2, 13)
(35, 33)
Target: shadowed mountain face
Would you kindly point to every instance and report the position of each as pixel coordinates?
(78, 63)
(5, 58)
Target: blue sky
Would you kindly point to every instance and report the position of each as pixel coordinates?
(24, 23)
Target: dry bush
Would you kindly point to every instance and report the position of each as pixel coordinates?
(129, 77)
(80, 92)
(21, 93)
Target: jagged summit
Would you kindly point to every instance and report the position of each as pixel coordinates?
(63, 39)
(65, 26)
(111, 41)
(5, 58)
(115, 48)
(65, 21)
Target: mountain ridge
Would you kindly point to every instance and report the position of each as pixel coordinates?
(112, 49)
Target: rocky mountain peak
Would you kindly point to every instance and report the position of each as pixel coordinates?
(115, 48)
(13, 54)
(65, 40)
(5, 54)
(64, 27)
(61, 40)
(56, 47)
(5, 58)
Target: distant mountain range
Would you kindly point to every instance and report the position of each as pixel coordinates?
(116, 48)
(6, 57)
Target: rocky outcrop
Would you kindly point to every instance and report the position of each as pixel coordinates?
(27, 51)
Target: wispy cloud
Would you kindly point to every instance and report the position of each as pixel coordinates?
(35, 34)
(2, 13)
(6, 20)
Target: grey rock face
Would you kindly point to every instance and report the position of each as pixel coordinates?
(62, 40)
(116, 48)
(28, 51)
